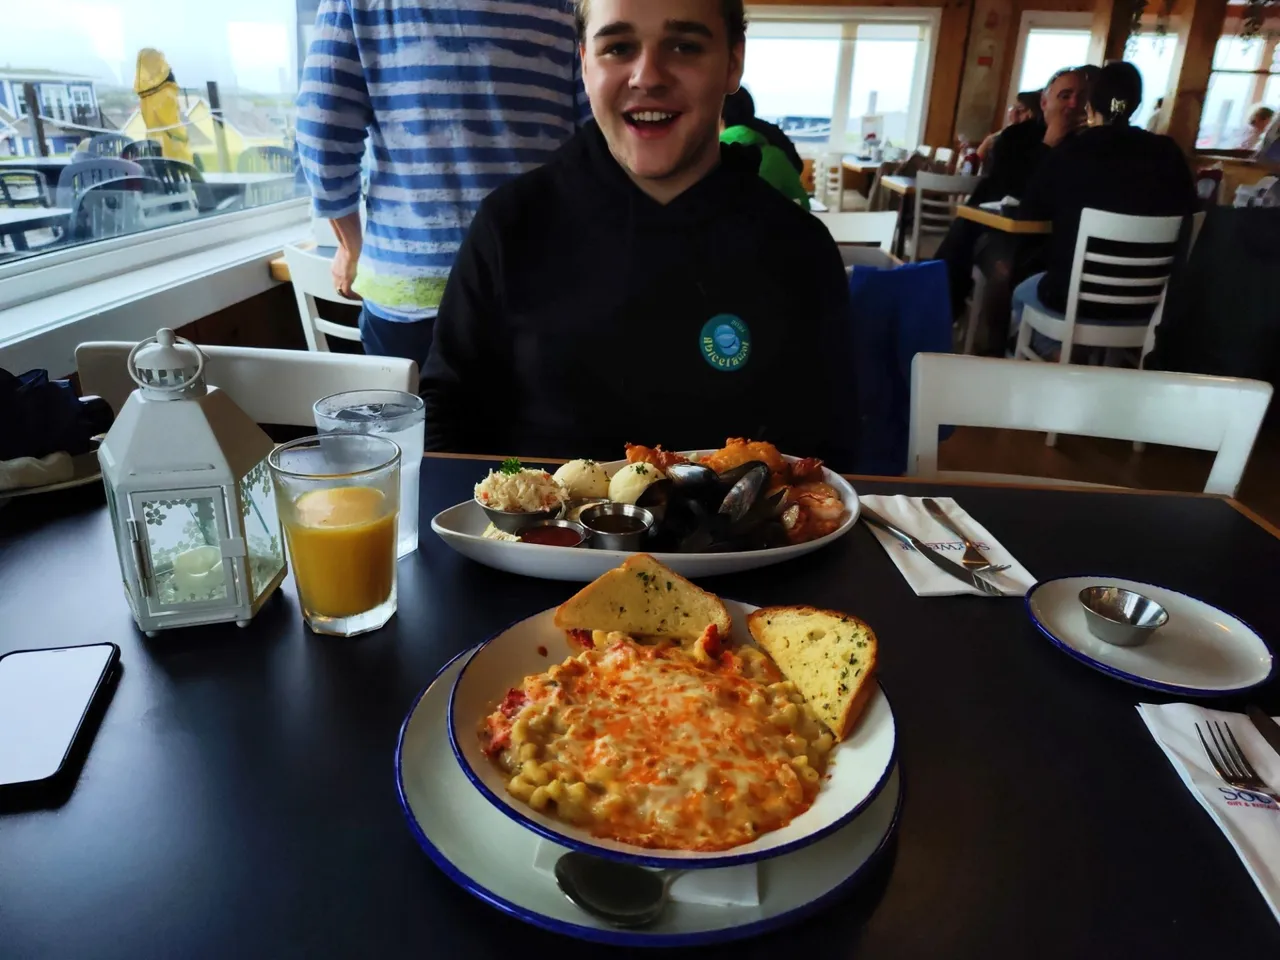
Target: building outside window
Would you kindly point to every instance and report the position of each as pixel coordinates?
(201, 104)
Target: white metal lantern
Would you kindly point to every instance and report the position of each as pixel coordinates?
(190, 495)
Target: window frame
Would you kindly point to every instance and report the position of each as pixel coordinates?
(27, 279)
(1269, 55)
(1040, 20)
(850, 17)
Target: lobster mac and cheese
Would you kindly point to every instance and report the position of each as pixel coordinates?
(698, 748)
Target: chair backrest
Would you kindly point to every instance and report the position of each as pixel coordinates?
(271, 386)
(141, 148)
(861, 228)
(111, 208)
(107, 145)
(1220, 414)
(312, 281)
(1209, 184)
(265, 160)
(23, 188)
(176, 176)
(1197, 224)
(942, 158)
(924, 152)
(78, 176)
(832, 180)
(1144, 278)
(937, 196)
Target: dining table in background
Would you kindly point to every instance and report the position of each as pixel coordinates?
(51, 167)
(998, 221)
(239, 796)
(15, 222)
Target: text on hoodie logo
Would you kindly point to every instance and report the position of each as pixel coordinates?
(726, 342)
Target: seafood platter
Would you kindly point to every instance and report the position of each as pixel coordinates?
(702, 512)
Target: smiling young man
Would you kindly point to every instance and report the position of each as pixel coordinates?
(645, 285)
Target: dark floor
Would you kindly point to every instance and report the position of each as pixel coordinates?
(1113, 462)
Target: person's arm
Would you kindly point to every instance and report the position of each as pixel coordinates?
(1040, 199)
(466, 380)
(986, 146)
(333, 117)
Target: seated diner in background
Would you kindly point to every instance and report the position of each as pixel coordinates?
(740, 111)
(1110, 166)
(775, 167)
(645, 283)
(1256, 123)
(1018, 152)
(1026, 106)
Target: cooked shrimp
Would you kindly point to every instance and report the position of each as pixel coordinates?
(654, 456)
(819, 511)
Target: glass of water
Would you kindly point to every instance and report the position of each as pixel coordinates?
(400, 417)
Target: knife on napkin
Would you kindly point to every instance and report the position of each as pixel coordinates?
(1269, 729)
(933, 556)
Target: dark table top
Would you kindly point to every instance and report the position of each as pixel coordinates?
(239, 797)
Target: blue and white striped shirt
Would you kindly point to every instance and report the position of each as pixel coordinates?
(456, 98)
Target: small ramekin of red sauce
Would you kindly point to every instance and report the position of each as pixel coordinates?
(555, 533)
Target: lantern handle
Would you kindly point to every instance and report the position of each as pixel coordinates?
(131, 362)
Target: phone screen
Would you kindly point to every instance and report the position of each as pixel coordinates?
(44, 695)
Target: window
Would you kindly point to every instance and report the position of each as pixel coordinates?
(828, 78)
(1047, 42)
(1153, 55)
(193, 162)
(1245, 75)
(1047, 51)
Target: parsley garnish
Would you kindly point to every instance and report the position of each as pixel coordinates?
(511, 467)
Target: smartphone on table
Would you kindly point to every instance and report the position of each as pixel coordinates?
(50, 704)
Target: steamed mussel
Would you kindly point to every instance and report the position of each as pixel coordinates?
(701, 511)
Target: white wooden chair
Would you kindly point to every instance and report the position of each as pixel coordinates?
(272, 386)
(861, 228)
(1149, 344)
(937, 196)
(830, 177)
(312, 281)
(1221, 414)
(942, 159)
(1147, 274)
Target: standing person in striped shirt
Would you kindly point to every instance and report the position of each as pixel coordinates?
(455, 97)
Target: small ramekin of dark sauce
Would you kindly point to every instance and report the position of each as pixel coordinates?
(617, 526)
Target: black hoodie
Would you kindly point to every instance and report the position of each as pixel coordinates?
(581, 314)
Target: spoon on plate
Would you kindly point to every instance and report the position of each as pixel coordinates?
(620, 894)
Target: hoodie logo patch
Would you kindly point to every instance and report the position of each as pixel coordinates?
(726, 342)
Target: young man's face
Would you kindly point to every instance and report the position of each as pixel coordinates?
(657, 73)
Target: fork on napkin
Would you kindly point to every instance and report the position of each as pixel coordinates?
(909, 514)
(1251, 821)
(717, 887)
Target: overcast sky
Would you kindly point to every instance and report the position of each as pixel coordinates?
(239, 43)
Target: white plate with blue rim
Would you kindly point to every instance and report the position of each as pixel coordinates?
(1201, 652)
(462, 528)
(482, 850)
(857, 767)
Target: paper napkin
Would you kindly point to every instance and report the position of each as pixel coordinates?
(720, 887)
(1251, 821)
(927, 580)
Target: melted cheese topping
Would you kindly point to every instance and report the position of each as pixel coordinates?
(661, 747)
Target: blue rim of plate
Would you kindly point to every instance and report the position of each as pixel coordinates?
(645, 860)
(1137, 681)
(622, 938)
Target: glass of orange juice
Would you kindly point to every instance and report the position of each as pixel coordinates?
(339, 500)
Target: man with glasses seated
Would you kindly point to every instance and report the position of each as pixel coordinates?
(646, 285)
(1015, 156)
